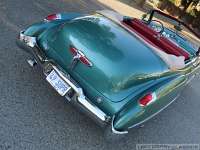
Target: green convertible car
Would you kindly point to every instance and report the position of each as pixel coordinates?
(120, 70)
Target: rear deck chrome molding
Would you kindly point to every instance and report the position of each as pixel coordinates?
(29, 44)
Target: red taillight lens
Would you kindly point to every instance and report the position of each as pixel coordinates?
(53, 17)
(85, 61)
(147, 99)
(73, 50)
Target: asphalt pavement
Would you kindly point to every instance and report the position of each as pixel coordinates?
(34, 117)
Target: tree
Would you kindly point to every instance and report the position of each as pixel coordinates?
(186, 3)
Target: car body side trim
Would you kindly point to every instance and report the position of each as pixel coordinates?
(115, 130)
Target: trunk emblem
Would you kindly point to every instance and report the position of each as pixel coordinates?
(78, 56)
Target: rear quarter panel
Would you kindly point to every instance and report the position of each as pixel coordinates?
(133, 114)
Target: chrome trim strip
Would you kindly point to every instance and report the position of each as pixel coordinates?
(95, 110)
(191, 61)
(114, 130)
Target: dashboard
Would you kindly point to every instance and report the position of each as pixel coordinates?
(174, 36)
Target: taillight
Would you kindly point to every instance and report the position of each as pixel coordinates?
(147, 99)
(80, 56)
(73, 50)
(85, 61)
(53, 17)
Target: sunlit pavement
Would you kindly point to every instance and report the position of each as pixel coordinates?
(122, 8)
(34, 117)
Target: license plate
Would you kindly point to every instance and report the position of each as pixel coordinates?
(57, 83)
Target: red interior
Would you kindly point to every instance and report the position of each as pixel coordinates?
(151, 36)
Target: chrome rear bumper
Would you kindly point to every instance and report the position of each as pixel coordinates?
(78, 99)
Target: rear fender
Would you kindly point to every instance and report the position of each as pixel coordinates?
(38, 28)
(133, 114)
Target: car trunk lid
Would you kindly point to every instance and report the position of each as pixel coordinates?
(121, 63)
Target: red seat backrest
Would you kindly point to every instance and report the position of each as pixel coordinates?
(162, 42)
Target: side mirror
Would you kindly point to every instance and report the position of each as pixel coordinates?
(178, 28)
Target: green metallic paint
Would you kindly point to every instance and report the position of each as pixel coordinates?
(120, 66)
(134, 113)
(123, 70)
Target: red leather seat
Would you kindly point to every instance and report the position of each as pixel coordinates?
(152, 36)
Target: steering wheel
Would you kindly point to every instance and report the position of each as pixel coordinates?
(157, 26)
